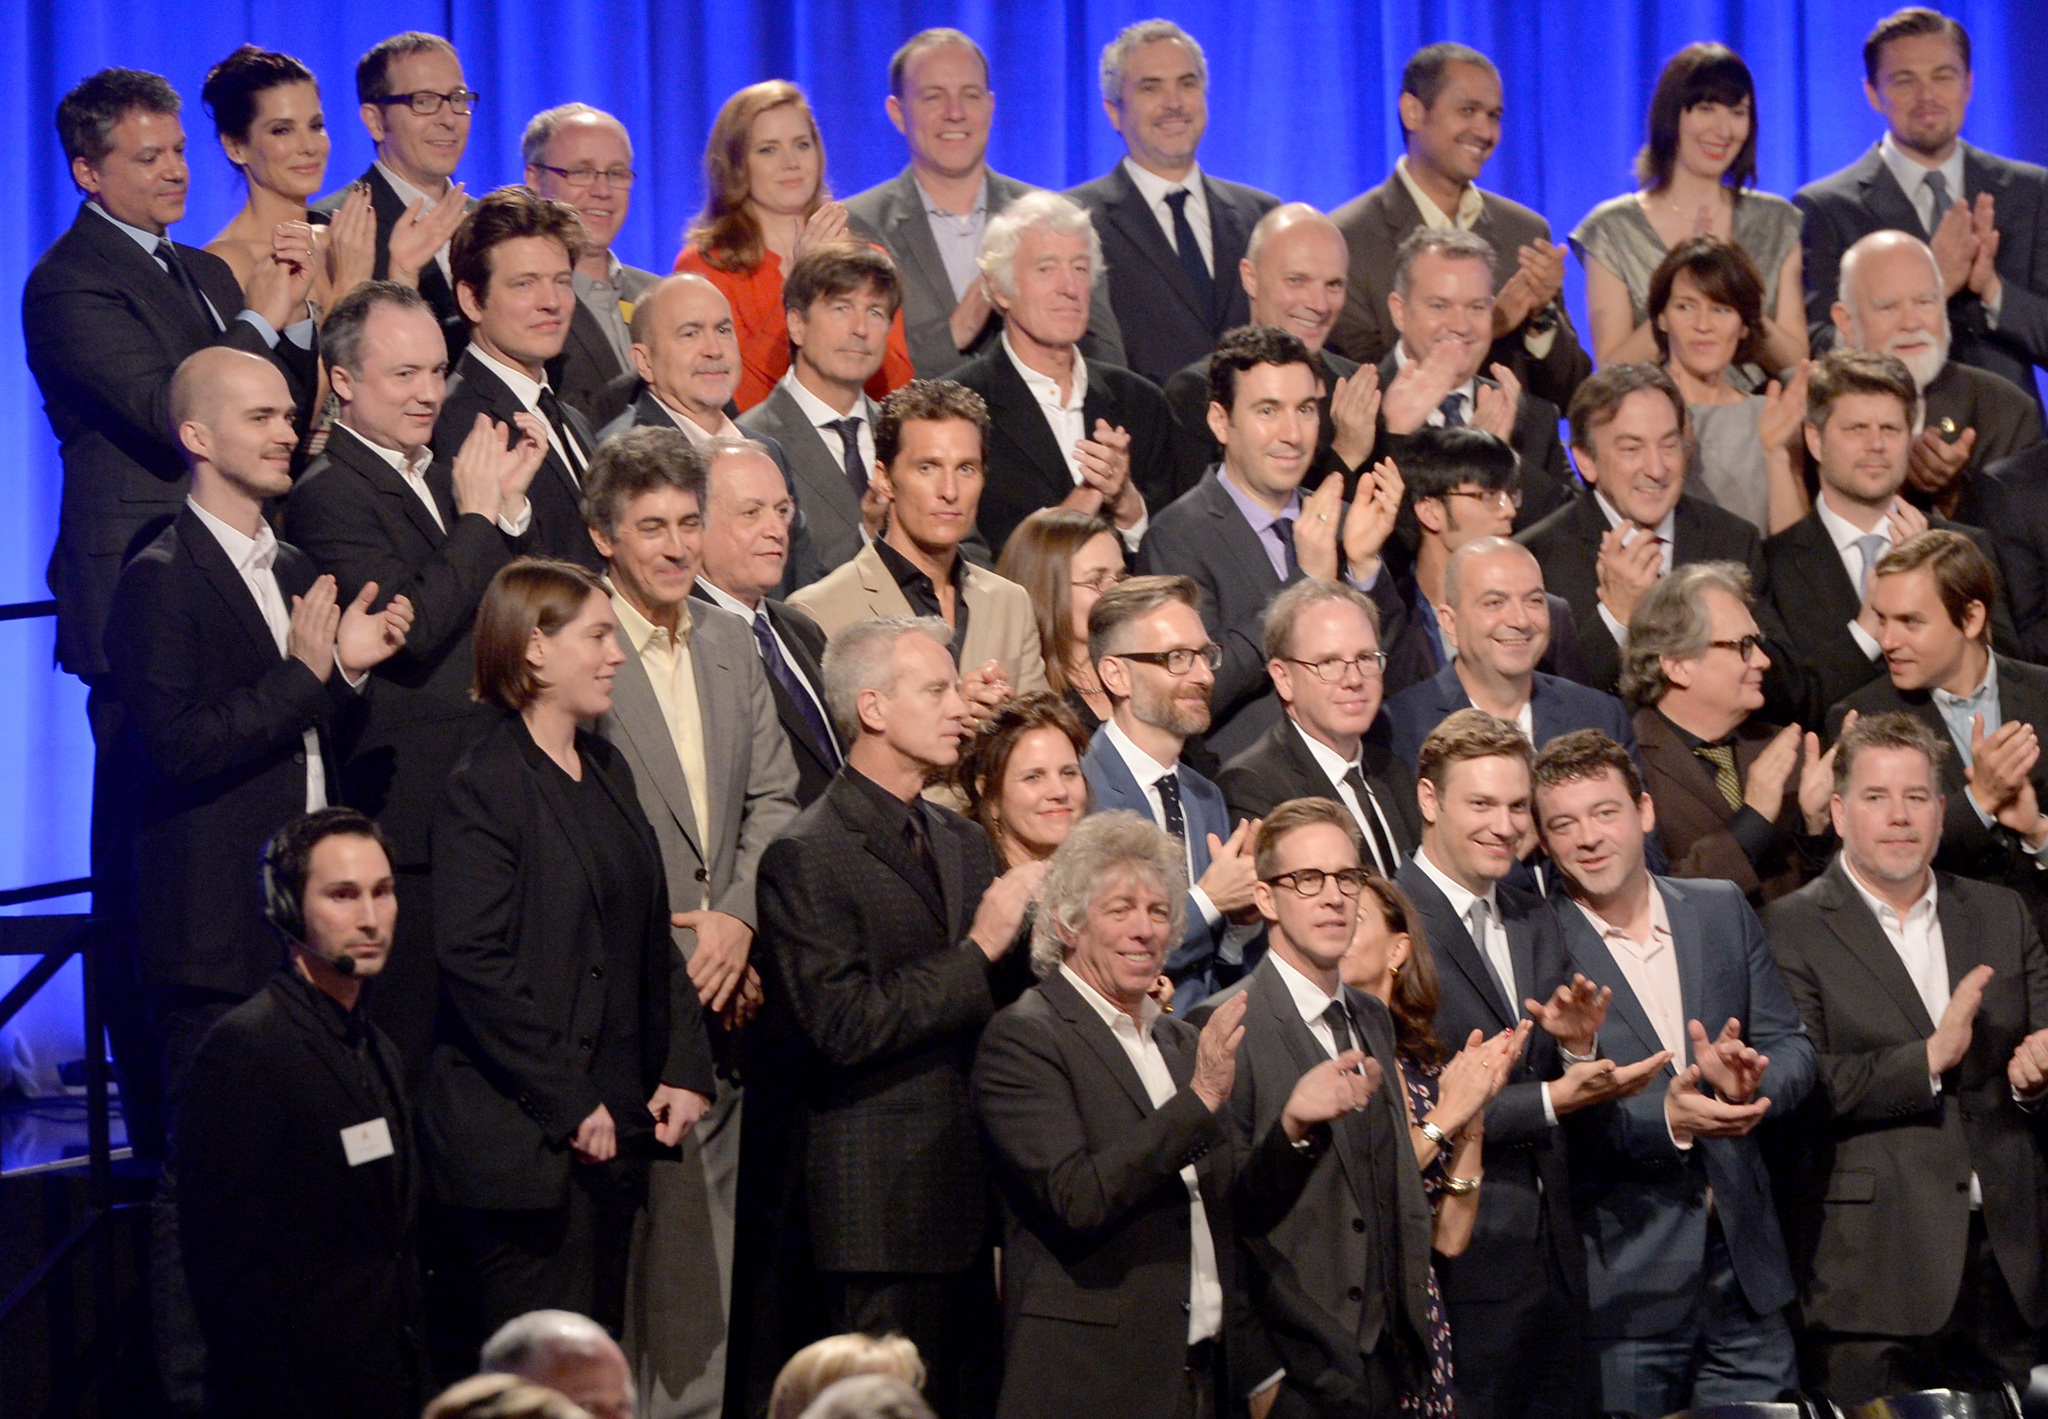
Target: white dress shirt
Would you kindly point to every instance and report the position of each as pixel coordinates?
(1844, 534)
(1205, 1282)
(414, 473)
(527, 390)
(1335, 768)
(1312, 1001)
(1664, 532)
(1154, 189)
(409, 195)
(1069, 423)
(256, 558)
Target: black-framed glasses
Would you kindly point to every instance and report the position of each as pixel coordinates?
(1308, 882)
(1744, 648)
(1177, 662)
(1490, 497)
(1371, 665)
(587, 176)
(1102, 580)
(426, 102)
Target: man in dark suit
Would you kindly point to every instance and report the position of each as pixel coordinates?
(376, 506)
(583, 156)
(2012, 500)
(1157, 665)
(301, 1183)
(1515, 1296)
(1687, 1276)
(1323, 651)
(1338, 1274)
(1171, 233)
(417, 108)
(1439, 299)
(513, 259)
(1916, 1229)
(932, 217)
(1067, 431)
(884, 922)
(1859, 408)
(1115, 1157)
(1736, 797)
(1248, 528)
(1982, 214)
(1293, 273)
(229, 698)
(1450, 112)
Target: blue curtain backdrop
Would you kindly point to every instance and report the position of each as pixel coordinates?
(1301, 102)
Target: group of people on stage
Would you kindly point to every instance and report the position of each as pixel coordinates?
(1145, 801)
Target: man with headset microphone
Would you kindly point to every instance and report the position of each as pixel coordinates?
(298, 1176)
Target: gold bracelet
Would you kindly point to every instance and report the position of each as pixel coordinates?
(1458, 1187)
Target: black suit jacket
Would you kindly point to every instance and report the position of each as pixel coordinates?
(1279, 766)
(355, 517)
(2012, 501)
(391, 210)
(2007, 421)
(1025, 469)
(890, 996)
(1528, 1180)
(588, 374)
(302, 1267)
(216, 742)
(1807, 586)
(557, 529)
(1546, 479)
(1880, 1207)
(1164, 322)
(1864, 197)
(805, 642)
(524, 1048)
(105, 328)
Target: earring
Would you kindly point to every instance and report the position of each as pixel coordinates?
(1395, 971)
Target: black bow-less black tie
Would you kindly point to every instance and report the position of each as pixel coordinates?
(1386, 857)
(849, 452)
(785, 675)
(551, 410)
(167, 253)
(1176, 823)
(1339, 1021)
(1190, 252)
(1283, 528)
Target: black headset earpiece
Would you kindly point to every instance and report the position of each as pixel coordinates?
(284, 913)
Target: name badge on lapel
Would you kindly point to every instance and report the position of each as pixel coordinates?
(367, 1142)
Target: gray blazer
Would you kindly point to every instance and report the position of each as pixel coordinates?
(892, 215)
(752, 793)
(831, 507)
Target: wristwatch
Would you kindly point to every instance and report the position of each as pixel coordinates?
(1543, 321)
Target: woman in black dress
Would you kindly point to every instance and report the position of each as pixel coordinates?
(1065, 560)
(570, 1046)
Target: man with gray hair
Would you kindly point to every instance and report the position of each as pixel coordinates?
(1068, 431)
(933, 216)
(1736, 797)
(567, 1353)
(884, 928)
(1172, 234)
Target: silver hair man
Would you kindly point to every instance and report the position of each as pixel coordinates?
(1060, 215)
(862, 657)
(1104, 848)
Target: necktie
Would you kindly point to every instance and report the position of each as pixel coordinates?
(1283, 528)
(1453, 409)
(1384, 854)
(919, 839)
(1176, 823)
(551, 410)
(785, 675)
(1339, 1021)
(167, 253)
(1190, 251)
(1872, 545)
(849, 450)
(1937, 187)
(1722, 759)
(1475, 922)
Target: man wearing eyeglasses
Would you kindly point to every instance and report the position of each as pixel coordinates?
(583, 156)
(418, 109)
(1322, 644)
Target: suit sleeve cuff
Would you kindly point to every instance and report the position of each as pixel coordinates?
(260, 326)
(516, 526)
(1753, 833)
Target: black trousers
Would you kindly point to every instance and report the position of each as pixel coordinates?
(403, 997)
(1519, 1358)
(951, 1318)
(132, 1039)
(1984, 1343)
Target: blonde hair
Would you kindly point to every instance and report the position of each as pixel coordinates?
(501, 1397)
(821, 1364)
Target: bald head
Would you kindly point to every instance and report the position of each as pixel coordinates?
(211, 375)
(232, 417)
(1471, 563)
(1295, 268)
(685, 347)
(1495, 611)
(567, 1353)
(1892, 300)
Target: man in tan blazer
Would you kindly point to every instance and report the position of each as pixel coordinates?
(929, 442)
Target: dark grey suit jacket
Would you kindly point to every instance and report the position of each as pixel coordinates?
(816, 479)
(1864, 197)
(1164, 322)
(390, 209)
(892, 215)
(1187, 393)
(2012, 503)
(1879, 1207)
(2006, 418)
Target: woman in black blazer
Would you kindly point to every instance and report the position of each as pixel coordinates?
(569, 1045)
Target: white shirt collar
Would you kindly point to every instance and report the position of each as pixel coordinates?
(523, 386)
(1326, 757)
(1471, 202)
(414, 468)
(1153, 188)
(1843, 532)
(816, 409)
(1308, 997)
(1664, 525)
(1144, 768)
(249, 554)
(1911, 173)
(1103, 1006)
(406, 191)
(1925, 907)
(1460, 899)
(720, 596)
(693, 429)
(1044, 388)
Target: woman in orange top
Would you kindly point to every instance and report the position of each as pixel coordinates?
(765, 205)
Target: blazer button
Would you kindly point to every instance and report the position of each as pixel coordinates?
(1356, 1293)
(1186, 1306)
(703, 874)
(1962, 1187)
(1357, 1224)
(583, 1043)
(300, 757)
(597, 972)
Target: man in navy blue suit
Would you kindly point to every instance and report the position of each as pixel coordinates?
(1686, 1269)
(1157, 665)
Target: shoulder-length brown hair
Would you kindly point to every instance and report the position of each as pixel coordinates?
(984, 759)
(531, 594)
(1040, 557)
(1415, 996)
(1726, 276)
(725, 232)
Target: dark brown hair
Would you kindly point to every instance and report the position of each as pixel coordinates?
(1962, 573)
(1040, 558)
(839, 268)
(531, 594)
(1599, 398)
(1841, 372)
(89, 114)
(507, 215)
(985, 759)
(1469, 734)
(1698, 74)
(1726, 276)
(1582, 754)
(636, 462)
(1415, 996)
(725, 233)
(1906, 23)
(373, 70)
(1139, 596)
(1245, 347)
(233, 86)
(931, 401)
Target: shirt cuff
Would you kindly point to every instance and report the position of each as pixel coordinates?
(300, 333)
(1206, 907)
(261, 327)
(1538, 344)
(1570, 1059)
(1614, 627)
(1267, 1383)
(1865, 642)
(1367, 583)
(1549, 1108)
(1991, 308)
(1135, 533)
(354, 682)
(516, 526)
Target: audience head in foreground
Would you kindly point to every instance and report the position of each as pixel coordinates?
(822, 1364)
(567, 1353)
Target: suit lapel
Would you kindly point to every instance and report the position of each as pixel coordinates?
(1592, 956)
(1237, 535)
(909, 225)
(1133, 216)
(824, 489)
(718, 681)
(1883, 196)
(1089, 1025)
(886, 846)
(1692, 965)
(145, 276)
(884, 596)
(1455, 942)
(503, 404)
(226, 579)
(1849, 918)
(1228, 233)
(952, 883)
(1822, 572)
(1352, 1131)
(1020, 422)
(637, 713)
(1959, 940)
(350, 449)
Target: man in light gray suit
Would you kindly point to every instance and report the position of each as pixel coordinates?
(932, 215)
(696, 720)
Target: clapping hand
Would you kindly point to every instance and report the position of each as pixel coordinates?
(1495, 405)
(1370, 521)
(1329, 1091)
(1354, 413)
(422, 231)
(1574, 1014)
(1728, 1064)
(364, 638)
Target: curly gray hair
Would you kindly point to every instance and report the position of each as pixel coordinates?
(1117, 53)
(1672, 619)
(1102, 847)
(1062, 216)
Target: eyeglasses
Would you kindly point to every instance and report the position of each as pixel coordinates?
(1103, 580)
(426, 103)
(1744, 648)
(1490, 497)
(588, 176)
(1177, 662)
(1309, 881)
(1371, 665)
